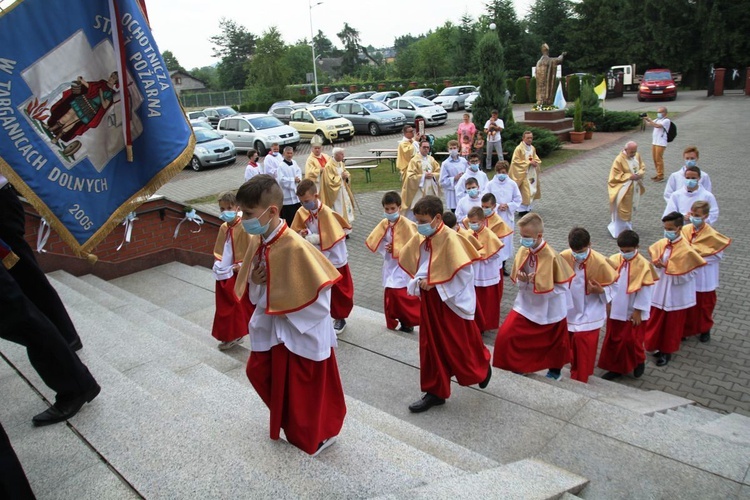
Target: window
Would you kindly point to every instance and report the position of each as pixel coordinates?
(242, 125)
(177, 80)
(230, 125)
(355, 109)
(297, 116)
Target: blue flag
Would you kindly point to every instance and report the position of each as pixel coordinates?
(90, 125)
(560, 101)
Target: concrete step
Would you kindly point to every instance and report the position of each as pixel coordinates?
(693, 415)
(529, 479)
(143, 316)
(733, 427)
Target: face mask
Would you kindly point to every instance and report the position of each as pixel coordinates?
(502, 177)
(453, 153)
(580, 257)
(252, 226)
(691, 183)
(392, 217)
(473, 192)
(628, 255)
(228, 215)
(527, 242)
(670, 235)
(488, 211)
(426, 229)
(659, 115)
(697, 221)
(474, 167)
(311, 206)
(274, 153)
(690, 163)
(475, 226)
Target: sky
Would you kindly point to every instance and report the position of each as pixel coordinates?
(184, 26)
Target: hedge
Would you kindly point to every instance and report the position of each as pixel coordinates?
(544, 140)
(574, 88)
(609, 121)
(522, 95)
(532, 90)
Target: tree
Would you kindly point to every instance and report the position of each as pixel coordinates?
(323, 45)
(520, 50)
(350, 38)
(233, 46)
(490, 55)
(431, 59)
(406, 61)
(298, 59)
(267, 69)
(208, 75)
(463, 62)
(171, 61)
(549, 21)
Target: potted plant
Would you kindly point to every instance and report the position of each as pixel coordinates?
(576, 137)
(589, 128)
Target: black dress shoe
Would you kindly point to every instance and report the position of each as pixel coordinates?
(656, 354)
(427, 402)
(639, 370)
(76, 345)
(484, 383)
(611, 376)
(705, 337)
(521, 214)
(663, 359)
(61, 411)
(406, 329)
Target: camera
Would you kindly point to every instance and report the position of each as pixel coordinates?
(643, 115)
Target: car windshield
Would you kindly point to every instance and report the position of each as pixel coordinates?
(320, 98)
(421, 102)
(265, 122)
(450, 91)
(324, 114)
(197, 114)
(206, 135)
(226, 111)
(660, 75)
(375, 107)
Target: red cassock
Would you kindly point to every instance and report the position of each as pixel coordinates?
(448, 346)
(583, 347)
(342, 294)
(700, 317)
(523, 346)
(400, 307)
(487, 315)
(305, 397)
(664, 330)
(232, 317)
(623, 348)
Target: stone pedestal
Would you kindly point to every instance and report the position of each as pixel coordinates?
(719, 81)
(553, 121)
(747, 81)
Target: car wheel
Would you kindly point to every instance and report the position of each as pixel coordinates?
(322, 136)
(455, 106)
(640, 99)
(348, 138)
(195, 164)
(374, 129)
(260, 148)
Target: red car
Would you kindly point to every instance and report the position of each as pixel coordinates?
(657, 84)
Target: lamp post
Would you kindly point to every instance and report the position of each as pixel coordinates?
(312, 44)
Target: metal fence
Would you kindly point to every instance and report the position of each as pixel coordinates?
(209, 99)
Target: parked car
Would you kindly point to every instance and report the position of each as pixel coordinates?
(284, 113)
(657, 84)
(197, 115)
(286, 102)
(257, 131)
(211, 149)
(469, 102)
(216, 114)
(323, 122)
(453, 98)
(428, 94)
(419, 107)
(359, 95)
(201, 124)
(329, 98)
(385, 96)
(368, 116)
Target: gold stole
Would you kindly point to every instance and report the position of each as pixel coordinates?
(491, 244)
(551, 269)
(707, 240)
(330, 225)
(449, 253)
(240, 240)
(641, 272)
(596, 265)
(495, 223)
(403, 230)
(295, 273)
(313, 167)
(682, 260)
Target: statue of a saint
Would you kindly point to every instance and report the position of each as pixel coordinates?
(546, 71)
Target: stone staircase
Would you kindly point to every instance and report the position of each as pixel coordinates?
(177, 418)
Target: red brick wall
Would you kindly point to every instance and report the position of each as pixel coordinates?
(151, 243)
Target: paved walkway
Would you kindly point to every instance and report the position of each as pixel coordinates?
(717, 374)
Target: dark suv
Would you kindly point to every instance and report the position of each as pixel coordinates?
(216, 114)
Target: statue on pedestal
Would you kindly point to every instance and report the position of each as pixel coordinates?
(546, 71)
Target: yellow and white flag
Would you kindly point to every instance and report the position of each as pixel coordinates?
(601, 90)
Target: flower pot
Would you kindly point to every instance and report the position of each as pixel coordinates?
(303, 91)
(589, 135)
(577, 137)
(352, 88)
(447, 83)
(413, 85)
(381, 86)
(326, 90)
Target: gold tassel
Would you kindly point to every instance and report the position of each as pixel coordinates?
(129, 152)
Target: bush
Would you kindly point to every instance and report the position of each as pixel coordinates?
(611, 121)
(574, 88)
(510, 84)
(441, 143)
(589, 99)
(532, 90)
(522, 95)
(544, 141)
(578, 116)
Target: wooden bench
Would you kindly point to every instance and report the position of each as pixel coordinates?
(366, 168)
(378, 152)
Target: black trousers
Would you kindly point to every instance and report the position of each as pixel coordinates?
(288, 212)
(13, 482)
(26, 272)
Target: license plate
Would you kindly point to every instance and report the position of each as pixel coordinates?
(344, 132)
(225, 156)
(657, 92)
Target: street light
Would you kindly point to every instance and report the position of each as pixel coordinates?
(312, 44)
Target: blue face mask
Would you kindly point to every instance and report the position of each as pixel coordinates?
(488, 211)
(628, 255)
(253, 226)
(580, 257)
(473, 192)
(502, 177)
(311, 206)
(691, 183)
(527, 242)
(228, 215)
(426, 229)
(453, 153)
(696, 221)
(392, 217)
(690, 163)
(659, 115)
(670, 235)
(474, 167)
(475, 226)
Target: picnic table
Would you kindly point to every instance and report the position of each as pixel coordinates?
(366, 168)
(391, 154)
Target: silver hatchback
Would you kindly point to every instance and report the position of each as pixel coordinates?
(211, 149)
(372, 117)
